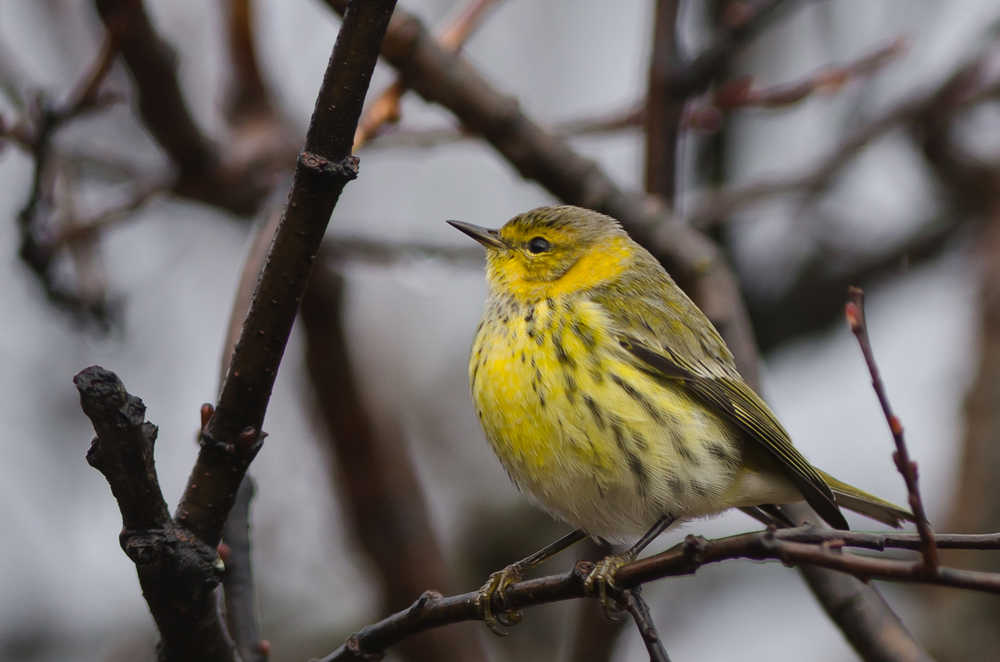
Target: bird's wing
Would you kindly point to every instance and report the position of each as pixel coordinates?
(665, 345)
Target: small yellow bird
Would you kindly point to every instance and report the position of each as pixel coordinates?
(613, 402)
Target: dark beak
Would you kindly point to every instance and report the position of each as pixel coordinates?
(485, 236)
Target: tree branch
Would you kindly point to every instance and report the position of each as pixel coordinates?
(177, 572)
(230, 181)
(432, 610)
(964, 88)
(153, 64)
(176, 558)
(237, 582)
(664, 109)
(324, 168)
(248, 96)
(34, 131)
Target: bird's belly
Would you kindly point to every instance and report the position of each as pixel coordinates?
(594, 440)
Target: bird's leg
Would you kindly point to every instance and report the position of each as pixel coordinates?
(602, 577)
(769, 515)
(498, 582)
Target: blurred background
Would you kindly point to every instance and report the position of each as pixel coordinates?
(864, 150)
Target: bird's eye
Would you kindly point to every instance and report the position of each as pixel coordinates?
(538, 245)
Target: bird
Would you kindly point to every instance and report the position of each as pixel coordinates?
(612, 401)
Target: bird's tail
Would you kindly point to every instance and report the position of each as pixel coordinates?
(869, 505)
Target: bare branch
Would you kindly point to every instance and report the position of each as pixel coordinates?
(432, 610)
(176, 558)
(237, 582)
(232, 181)
(961, 90)
(740, 93)
(704, 115)
(855, 313)
(178, 573)
(740, 25)
(93, 224)
(631, 117)
(664, 109)
(123, 447)
(153, 64)
(248, 96)
(324, 168)
(34, 132)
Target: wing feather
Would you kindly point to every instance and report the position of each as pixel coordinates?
(671, 339)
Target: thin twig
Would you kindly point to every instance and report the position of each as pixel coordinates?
(892, 539)
(95, 223)
(700, 115)
(86, 93)
(637, 607)
(34, 132)
(716, 207)
(855, 313)
(631, 117)
(740, 93)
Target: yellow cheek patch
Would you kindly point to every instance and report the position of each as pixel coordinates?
(594, 268)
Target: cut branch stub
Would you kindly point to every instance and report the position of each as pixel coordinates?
(177, 571)
(123, 447)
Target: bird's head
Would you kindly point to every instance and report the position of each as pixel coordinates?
(552, 251)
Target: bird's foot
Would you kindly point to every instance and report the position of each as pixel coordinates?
(493, 590)
(601, 583)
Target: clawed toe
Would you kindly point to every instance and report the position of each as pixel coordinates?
(601, 583)
(494, 589)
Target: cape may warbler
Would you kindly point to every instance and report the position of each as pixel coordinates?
(611, 399)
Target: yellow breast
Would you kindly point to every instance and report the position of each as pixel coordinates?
(587, 434)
